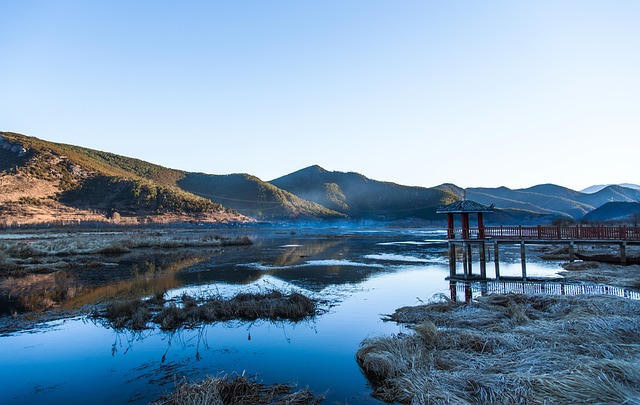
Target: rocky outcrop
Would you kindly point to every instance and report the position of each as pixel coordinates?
(12, 147)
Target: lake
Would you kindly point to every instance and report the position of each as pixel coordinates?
(362, 273)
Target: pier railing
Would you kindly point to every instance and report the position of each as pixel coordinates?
(577, 232)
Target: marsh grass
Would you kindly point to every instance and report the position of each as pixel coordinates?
(38, 254)
(236, 389)
(510, 349)
(131, 314)
(111, 244)
(189, 312)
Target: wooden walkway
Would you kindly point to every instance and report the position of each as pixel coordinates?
(551, 233)
(570, 236)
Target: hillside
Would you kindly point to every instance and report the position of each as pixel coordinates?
(597, 187)
(253, 197)
(43, 181)
(362, 198)
(547, 199)
(627, 212)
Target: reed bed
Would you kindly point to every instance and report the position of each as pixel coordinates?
(188, 311)
(236, 389)
(110, 244)
(510, 349)
(603, 273)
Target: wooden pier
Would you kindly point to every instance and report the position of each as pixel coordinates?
(482, 239)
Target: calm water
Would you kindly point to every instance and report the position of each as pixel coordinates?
(364, 274)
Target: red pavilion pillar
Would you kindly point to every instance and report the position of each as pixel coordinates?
(450, 228)
(480, 226)
(465, 225)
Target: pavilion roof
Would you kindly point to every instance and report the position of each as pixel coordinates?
(463, 206)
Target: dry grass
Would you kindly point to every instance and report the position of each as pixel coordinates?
(511, 349)
(132, 314)
(110, 244)
(235, 389)
(189, 312)
(604, 273)
(37, 255)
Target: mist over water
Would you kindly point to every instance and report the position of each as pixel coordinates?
(361, 274)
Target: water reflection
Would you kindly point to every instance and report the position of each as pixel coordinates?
(364, 276)
(468, 290)
(76, 287)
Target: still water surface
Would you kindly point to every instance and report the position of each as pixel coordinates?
(363, 274)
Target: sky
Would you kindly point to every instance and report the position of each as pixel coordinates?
(476, 93)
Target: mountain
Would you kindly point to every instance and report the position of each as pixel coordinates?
(43, 181)
(251, 196)
(615, 212)
(546, 199)
(598, 187)
(359, 197)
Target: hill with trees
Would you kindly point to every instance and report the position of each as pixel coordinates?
(362, 198)
(43, 181)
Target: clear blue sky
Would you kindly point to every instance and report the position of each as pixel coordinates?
(477, 93)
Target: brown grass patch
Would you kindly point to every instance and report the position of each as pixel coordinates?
(188, 312)
(236, 389)
(511, 349)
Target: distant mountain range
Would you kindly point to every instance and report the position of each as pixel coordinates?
(42, 181)
(598, 187)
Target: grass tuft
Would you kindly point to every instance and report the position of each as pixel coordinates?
(131, 314)
(236, 389)
(271, 305)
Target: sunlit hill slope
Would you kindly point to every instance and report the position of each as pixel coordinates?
(44, 181)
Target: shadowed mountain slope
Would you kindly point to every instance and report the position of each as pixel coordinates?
(628, 212)
(251, 196)
(362, 198)
(548, 199)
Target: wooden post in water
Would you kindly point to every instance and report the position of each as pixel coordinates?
(523, 261)
(468, 293)
(452, 259)
(496, 259)
(623, 253)
(483, 261)
(465, 259)
(469, 259)
(572, 257)
(453, 290)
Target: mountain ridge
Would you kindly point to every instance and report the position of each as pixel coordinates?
(38, 175)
